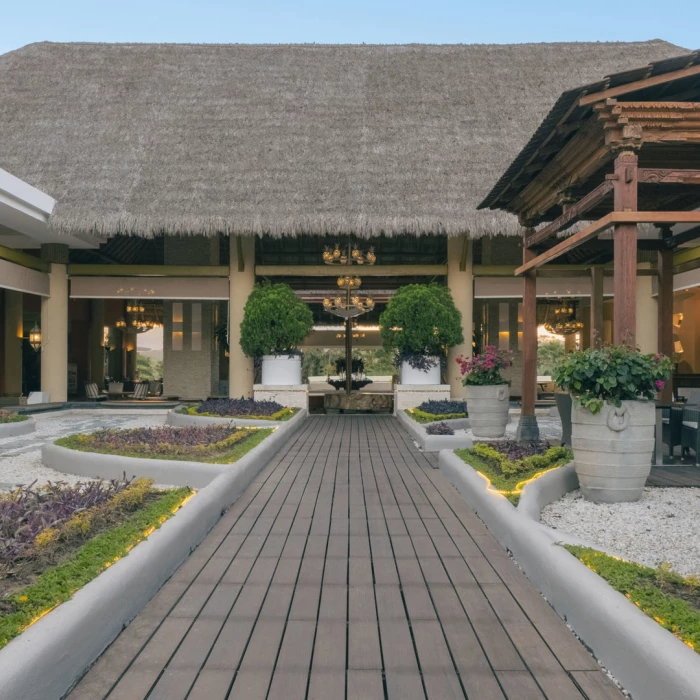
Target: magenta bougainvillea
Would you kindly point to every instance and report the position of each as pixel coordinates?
(485, 369)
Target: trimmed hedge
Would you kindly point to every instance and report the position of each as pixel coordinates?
(282, 415)
(665, 596)
(423, 417)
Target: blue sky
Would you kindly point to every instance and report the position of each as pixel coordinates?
(330, 21)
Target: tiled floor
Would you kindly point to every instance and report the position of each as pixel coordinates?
(350, 568)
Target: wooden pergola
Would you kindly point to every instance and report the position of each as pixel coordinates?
(610, 156)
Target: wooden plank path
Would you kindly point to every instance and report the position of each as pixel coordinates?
(350, 568)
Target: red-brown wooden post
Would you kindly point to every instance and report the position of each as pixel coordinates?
(625, 244)
(528, 429)
(665, 305)
(596, 329)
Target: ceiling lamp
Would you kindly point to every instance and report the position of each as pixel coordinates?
(35, 338)
(135, 307)
(563, 321)
(353, 255)
(121, 323)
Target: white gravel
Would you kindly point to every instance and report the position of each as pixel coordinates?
(664, 526)
(20, 457)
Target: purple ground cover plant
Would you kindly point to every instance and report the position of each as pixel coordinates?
(443, 407)
(514, 450)
(239, 407)
(27, 511)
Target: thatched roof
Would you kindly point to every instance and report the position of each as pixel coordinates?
(147, 138)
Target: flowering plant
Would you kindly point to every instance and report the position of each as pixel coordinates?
(485, 369)
(611, 374)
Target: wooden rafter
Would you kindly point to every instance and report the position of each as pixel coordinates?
(572, 213)
(23, 259)
(637, 85)
(617, 217)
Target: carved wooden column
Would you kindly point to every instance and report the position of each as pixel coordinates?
(625, 244)
(665, 305)
(528, 429)
(596, 329)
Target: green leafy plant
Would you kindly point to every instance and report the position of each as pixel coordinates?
(275, 321)
(666, 596)
(11, 417)
(421, 320)
(485, 369)
(549, 353)
(611, 374)
(509, 465)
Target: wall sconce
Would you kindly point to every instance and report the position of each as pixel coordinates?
(35, 338)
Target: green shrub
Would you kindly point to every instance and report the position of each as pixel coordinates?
(11, 417)
(611, 374)
(421, 320)
(275, 321)
(423, 417)
(665, 596)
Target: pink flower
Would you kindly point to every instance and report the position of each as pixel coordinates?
(660, 384)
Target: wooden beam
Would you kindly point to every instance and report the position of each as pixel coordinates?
(691, 234)
(148, 270)
(597, 227)
(572, 213)
(23, 259)
(625, 252)
(669, 176)
(361, 270)
(529, 388)
(637, 85)
(596, 329)
(466, 242)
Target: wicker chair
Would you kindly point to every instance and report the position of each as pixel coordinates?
(690, 435)
(140, 391)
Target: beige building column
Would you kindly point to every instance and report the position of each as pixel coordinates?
(647, 319)
(12, 368)
(54, 325)
(97, 352)
(461, 284)
(241, 282)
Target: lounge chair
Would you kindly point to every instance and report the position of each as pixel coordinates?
(93, 393)
(140, 391)
(115, 388)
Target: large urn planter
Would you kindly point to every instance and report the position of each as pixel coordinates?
(613, 450)
(488, 406)
(281, 370)
(411, 375)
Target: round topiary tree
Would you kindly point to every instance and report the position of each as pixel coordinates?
(420, 321)
(275, 321)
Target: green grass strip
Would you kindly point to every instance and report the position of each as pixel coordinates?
(59, 582)
(7, 417)
(663, 595)
(507, 485)
(225, 456)
(423, 417)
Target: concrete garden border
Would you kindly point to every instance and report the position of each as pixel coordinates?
(47, 659)
(22, 427)
(435, 443)
(181, 420)
(647, 659)
(162, 471)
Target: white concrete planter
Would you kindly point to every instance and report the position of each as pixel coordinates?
(613, 450)
(487, 407)
(281, 370)
(409, 375)
(14, 429)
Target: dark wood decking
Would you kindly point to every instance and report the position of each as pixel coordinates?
(350, 568)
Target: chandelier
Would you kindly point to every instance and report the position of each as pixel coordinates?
(135, 307)
(564, 320)
(338, 256)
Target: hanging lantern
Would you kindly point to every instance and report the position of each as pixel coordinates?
(35, 338)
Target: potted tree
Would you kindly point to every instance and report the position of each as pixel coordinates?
(487, 392)
(420, 322)
(613, 418)
(275, 322)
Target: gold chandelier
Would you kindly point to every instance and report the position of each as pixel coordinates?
(564, 321)
(135, 307)
(338, 256)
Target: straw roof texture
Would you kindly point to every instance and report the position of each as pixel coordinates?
(283, 139)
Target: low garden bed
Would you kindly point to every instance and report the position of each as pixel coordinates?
(11, 417)
(667, 597)
(212, 444)
(508, 465)
(433, 411)
(56, 538)
(241, 408)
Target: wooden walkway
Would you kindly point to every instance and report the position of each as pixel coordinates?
(350, 568)
(674, 475)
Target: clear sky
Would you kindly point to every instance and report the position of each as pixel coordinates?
(333, 21)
